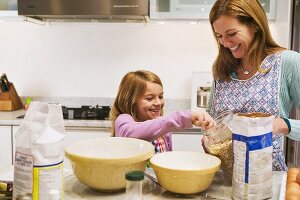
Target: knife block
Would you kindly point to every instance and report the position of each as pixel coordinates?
(10, 100)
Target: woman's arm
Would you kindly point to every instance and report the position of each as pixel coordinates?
(290, 91)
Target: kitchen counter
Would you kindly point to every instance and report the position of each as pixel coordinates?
(218, 190)
(75, 190)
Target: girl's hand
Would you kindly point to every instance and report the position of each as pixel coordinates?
(203, 120)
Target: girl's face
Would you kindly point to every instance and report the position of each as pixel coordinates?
(234, 35)
(150, 104)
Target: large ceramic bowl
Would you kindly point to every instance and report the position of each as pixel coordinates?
(101, 163)
(185, 172)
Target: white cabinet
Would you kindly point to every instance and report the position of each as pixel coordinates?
(187, 141)
(194, 9)
(14, 130)
(5, 145)
(79, 133)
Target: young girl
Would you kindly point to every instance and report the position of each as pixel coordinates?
(138, 109)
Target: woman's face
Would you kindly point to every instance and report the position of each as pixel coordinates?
(150, 104)
(234, 35)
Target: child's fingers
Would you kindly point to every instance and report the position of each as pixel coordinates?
(203, 120)
(201, 123)
(209, 125)
(204, 123)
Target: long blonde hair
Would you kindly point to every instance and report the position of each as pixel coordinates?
(250, 13)
(132, 87)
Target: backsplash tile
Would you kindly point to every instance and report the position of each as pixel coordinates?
(170, 104)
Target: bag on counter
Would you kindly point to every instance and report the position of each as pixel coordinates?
(252, 156)
(38, 166)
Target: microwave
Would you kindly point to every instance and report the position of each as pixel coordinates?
(194, 9)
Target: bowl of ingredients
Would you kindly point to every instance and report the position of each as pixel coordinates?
(185, 172)
(101, 163)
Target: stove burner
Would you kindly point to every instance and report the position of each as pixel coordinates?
(87, 112)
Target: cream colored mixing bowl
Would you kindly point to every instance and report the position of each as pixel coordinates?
(101, 163)
(185, 172)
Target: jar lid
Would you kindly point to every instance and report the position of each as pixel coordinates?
(134, 175)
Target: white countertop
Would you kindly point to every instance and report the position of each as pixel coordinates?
(75, 190)
(218, 189)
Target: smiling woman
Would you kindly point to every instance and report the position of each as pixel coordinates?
(235, 36)
(252, 73)
(138, 112)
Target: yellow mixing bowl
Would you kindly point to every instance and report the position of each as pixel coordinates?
(185, 172)
(101, 163)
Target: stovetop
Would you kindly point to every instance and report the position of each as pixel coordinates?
(86, 112)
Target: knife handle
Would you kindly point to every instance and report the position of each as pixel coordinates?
(3, 87)
(4, 77)
(4, 84)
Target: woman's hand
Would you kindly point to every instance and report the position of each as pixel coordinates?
(203, 120)
(280, 126)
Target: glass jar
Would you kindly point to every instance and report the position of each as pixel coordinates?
(134, 185)
(217, 141)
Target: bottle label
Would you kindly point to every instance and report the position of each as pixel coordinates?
(23, 170)
(36, 181)
(47, 178)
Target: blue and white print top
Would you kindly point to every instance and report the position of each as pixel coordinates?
(260, 93)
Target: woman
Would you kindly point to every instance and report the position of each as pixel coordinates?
(252, 73)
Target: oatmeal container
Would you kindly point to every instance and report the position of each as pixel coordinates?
(252, 153)
(218, 141)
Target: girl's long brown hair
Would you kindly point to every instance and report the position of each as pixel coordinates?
(250, 13)
(132, 87)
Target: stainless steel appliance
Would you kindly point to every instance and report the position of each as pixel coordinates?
(203, 96)
(86, 112)
(83, 10)
(201, 86)
(293, 147)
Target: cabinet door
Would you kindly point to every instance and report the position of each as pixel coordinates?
(194, 9)
(5, 146)
(187, 142)
(74, 134)
(14, 130)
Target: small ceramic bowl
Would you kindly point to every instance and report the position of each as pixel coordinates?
(185, 172)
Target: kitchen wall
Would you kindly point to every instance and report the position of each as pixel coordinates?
(89, 59)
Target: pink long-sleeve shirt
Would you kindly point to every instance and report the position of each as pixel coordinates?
(149, 130)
